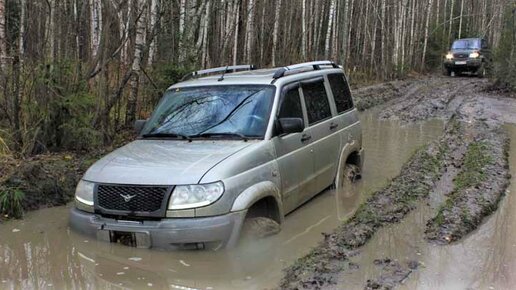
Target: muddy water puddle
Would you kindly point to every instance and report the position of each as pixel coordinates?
(485, 259)
(42, 252)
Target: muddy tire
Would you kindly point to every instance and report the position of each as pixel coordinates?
(447, 72)
(482, 71)
(348, 175)
(259, 228)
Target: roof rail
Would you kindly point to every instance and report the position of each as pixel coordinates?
(315, 65)
(222, 69)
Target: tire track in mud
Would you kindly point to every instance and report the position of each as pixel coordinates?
(468, 124)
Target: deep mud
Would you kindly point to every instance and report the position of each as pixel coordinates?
(478, 187)
(392, 274)
(464, 195)
(389, 205)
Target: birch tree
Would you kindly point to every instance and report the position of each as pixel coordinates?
(136, 66)
(276, 31)
(153, 24)
(95, 26)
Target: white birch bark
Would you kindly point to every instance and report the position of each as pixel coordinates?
(139, 43)
(345, 33)
(276, 31)
(95, 26)
(154, 22)
(21, 39)
(249, 36)
(327, 42)
(303, 25)
(52, 30)
(428, 12)
(235, 44)
(460, 19)
(182, 36)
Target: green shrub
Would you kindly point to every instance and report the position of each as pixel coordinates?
(11, 202)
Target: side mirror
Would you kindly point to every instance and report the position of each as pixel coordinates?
(291, 125)
(138, 125)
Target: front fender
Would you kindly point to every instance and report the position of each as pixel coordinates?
(255, 193)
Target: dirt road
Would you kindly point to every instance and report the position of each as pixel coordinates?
(455, 184)
(394, 228)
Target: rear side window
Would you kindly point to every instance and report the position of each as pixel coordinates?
(291, 105)
(341, 93)
(316, 99)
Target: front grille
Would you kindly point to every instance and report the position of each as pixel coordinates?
(132, 200)
(461, 55)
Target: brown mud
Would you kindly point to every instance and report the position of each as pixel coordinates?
(392, 273)
(40, 251)
(474, 116)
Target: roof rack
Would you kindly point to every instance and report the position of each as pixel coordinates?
(222, 69)
(315, 65)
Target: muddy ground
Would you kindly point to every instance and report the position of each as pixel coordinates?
(465, 173)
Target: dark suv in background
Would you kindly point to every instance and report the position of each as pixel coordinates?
(468, 55)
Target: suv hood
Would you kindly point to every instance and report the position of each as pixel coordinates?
(162, 162)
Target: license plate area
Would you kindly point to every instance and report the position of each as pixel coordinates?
(131, 239)
(461, 62)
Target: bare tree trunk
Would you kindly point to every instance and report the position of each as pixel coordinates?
(249, 31)
(95, 26)
(428, 12)
(237, 21)
(182, 24)
(136, 66)
(276, 31)
(303, 32)
(154, 10)
(460, 19)
(345, 32)
(3, 43)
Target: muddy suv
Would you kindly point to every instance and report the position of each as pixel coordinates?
(471, 55)
(222, 146)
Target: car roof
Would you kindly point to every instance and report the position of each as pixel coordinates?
(251, 76)
(259, 76)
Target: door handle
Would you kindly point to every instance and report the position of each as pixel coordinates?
(305, 137)
(333, 126)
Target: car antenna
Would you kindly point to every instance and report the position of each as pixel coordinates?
(222, 76)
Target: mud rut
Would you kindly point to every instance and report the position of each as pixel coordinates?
(457, 180)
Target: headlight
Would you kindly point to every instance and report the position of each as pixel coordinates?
(474, 55)
(191, 196)
(84, 192)
(449, 56)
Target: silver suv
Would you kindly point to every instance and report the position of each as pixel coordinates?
(222, 145)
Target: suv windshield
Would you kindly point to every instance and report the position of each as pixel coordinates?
(231, 111)
(466, 44)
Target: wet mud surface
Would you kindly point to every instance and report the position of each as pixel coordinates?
(425, 215)
(41, 251)
(470, 177)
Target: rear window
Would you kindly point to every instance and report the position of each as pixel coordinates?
(317, 104)
(341, 93)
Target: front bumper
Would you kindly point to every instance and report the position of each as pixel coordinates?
(176, 233)
(463, 64)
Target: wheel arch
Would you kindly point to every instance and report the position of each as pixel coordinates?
(264, 198)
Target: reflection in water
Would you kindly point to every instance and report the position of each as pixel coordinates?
(46, 254)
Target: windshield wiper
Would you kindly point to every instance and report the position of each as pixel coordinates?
(235, 134)
(167, 135)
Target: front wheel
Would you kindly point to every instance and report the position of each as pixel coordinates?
(482, 71)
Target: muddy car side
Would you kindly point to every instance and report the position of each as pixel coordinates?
(471, 55)
(311, 131)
